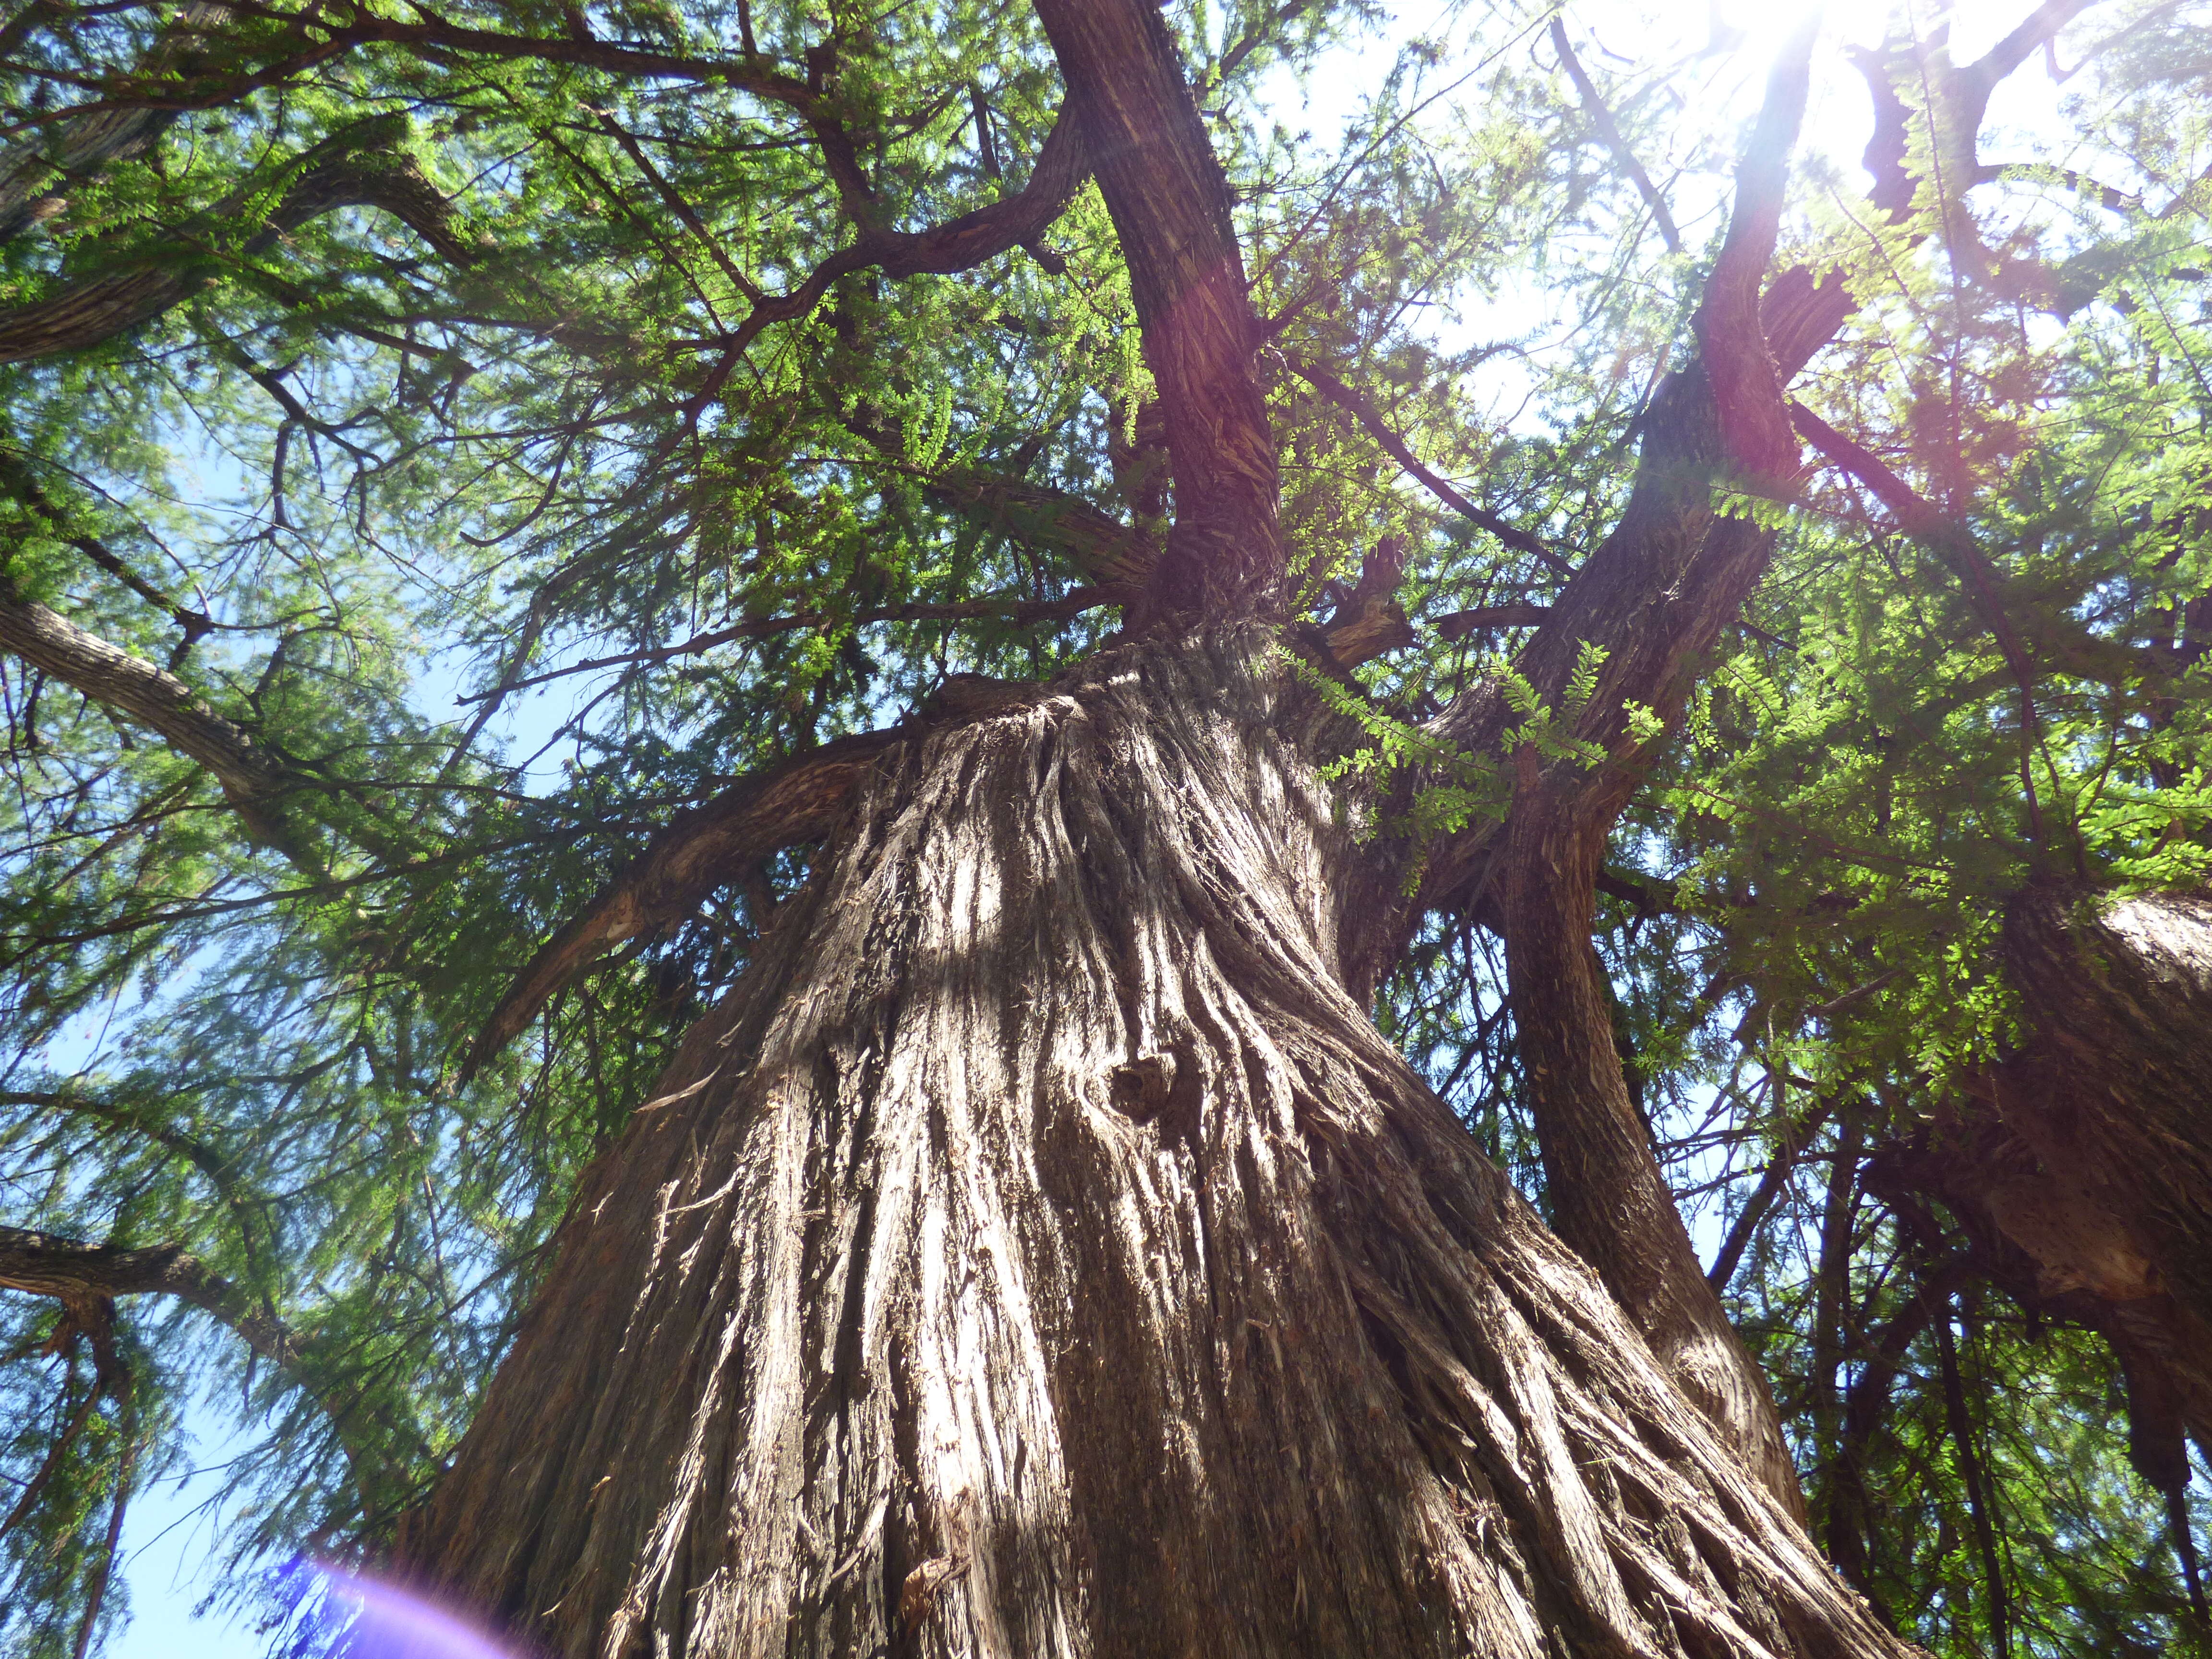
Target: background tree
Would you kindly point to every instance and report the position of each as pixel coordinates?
(1075, 688)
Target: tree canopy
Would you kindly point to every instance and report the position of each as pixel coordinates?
(466, 470)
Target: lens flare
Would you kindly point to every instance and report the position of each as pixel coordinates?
(391, 1623)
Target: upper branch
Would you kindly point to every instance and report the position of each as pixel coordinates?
(2057, 637)
(78, 1274)
(146, 695)
(1657, 590)
(957, 245)
(351, 169)
(1803, 309)
(1747, 388)
(325, 33)
(1171, 206)
(1609, 131)
(1397, 449)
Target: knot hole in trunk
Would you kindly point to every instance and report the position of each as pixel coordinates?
(1162, 1088)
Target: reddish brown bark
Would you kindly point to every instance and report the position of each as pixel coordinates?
(1653, 598)
(1042, 1253)
(1170, 207)
(2081, 1169)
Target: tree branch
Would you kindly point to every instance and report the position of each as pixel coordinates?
(75, 1273)
(1483, 618)
(683, 210)
(1020, 612)
(261, 787)
(47, 1264)
(959, 243)
(1254, 38)
(90, 139)
(18, 480)
(1170, 207)
(1609, 131)
(1949, 540)
(1754, 425)
(795, 800)
(1977, 79)
(1396, 447)
(747, 72)
(1652, 598)
(1802, 311)
(251, 780)
(351, 169)
(1113, 555)
(1770, 1182)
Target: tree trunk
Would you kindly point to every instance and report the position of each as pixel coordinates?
(1608, 1197)
(1040, 1253)
(2082, 1173)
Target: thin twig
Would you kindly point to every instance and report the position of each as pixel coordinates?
(1609, 130)
(1019, 612)
(1395, 446)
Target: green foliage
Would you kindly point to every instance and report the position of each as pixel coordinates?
(507, 551)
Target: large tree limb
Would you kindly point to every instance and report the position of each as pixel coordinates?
(1926, 523)
(1653, 596)
(135, 690)
(263, 789)
(47, 1264)
(796, 800)
(97, 309)
(1106, 551)
(1485, 619)
(1803, 309)
(77, 1273)
(747, 71)
(87, 141)
(1170, 207)
(1109, 553)
(18, 479)
(1747, 390)
(352, 169)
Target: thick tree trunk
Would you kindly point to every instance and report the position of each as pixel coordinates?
(2119, 989)
(1042, 1253)
(2083, 1172)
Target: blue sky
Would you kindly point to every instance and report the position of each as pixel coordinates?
(166, 1541)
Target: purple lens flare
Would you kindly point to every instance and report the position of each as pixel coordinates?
(392, 1623)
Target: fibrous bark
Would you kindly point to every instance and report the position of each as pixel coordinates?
(2119, 989)
(32, 171)
(1651, 599)
(254, 781)
(1041, 1252)
(1608, 1198)
(2081, 1167)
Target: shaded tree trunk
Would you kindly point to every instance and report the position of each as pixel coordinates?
(1041, 1252)
(2082, 1171)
